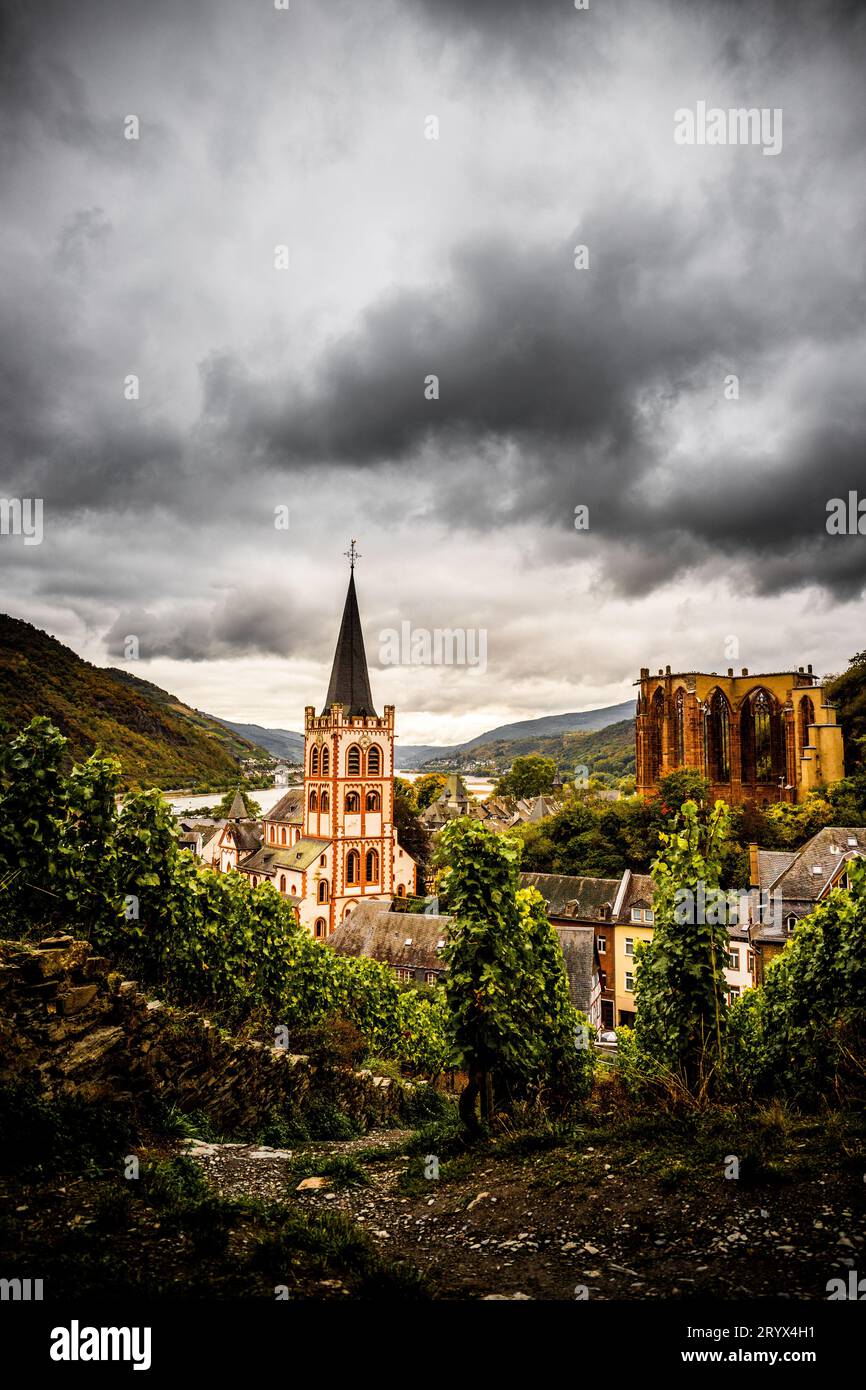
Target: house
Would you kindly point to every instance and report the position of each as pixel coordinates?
(572, 900)
(411, 943)
(787, 885)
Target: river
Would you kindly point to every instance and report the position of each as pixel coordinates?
(267, 797)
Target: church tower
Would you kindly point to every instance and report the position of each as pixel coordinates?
(349, 782)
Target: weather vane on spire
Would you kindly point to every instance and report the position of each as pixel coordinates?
(352, 555)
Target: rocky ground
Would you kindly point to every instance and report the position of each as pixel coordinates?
(584, 1219)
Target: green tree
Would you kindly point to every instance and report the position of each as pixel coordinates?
(411, 830)
(428, 787)
(679, 979)
(531, 775)
(506, 990)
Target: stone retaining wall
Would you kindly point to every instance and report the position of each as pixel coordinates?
(76, 1029)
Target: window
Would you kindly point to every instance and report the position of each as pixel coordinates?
(353, 761)
(602, 978)
(314, 761)
(401, 890)
(680, 727)
(750, 962)
(353, 866)
(734, 958)
(404, 973)
(326, 761)
(282, 883)
(373, 801)
(733, 993)
(641, 914)
(430, 977)
(322, 892)
(353, 803)
(374, 762)
(371, 866)
(790, 923)
(602, 945)
(321, 926)
(283, 833)
(314, 800)
(629, 945)
(325, 802)
(629, 982)
(717, 738)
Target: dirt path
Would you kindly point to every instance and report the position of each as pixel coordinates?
(567, 1224)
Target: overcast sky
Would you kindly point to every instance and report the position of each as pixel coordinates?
(559, 386)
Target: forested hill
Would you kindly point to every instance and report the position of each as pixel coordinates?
(159, 740)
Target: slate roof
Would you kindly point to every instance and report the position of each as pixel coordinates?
(578, 950)
(238, 810)
(290, 808)
(771, 862)
(560, 890)
(350, 684)
(826, 851)
(638, 889)
(408, 939)
(247, 835)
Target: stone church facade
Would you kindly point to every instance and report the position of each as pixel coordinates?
(762, 738)
(335, 844)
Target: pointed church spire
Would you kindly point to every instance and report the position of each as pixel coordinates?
(350, 684)
(237, 810)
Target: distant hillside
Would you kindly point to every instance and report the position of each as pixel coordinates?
(609, 751)
(285, 744)
(159, 740)
(282, 743)
(524, 736)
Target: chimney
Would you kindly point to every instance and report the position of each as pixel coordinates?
(754, 875)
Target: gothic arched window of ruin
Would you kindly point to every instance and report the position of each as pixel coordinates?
(762, 739)
(807, 717)
(374, 762)
(656, 720)
(353, 761)
(718, 738)
(680, 727)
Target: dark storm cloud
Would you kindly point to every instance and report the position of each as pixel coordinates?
(558, 387)
(245, 623)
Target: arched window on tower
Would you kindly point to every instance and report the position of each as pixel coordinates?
(314, 760)
(680, 727)
(326, 761)
(282, 883)
(374, 762)
(353, 761)
(325, 801)
(373, 801)
(283, 835)
(353, 866)
(322, 891)
(371, 866)
(314, 800)
(352, 803)
(807, 717)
